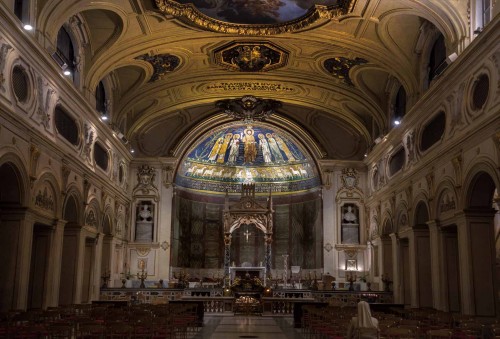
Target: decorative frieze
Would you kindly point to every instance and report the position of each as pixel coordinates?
(44, 200)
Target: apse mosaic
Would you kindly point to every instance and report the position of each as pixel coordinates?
(240, 153)
(256, 11)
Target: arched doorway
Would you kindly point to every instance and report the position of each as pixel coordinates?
(69, 260)
(479, 225)
(422, 256)
(10, 228)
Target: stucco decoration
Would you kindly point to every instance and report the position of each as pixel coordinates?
(251, 56)
(254, 17)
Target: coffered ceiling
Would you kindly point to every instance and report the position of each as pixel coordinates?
(165, 63)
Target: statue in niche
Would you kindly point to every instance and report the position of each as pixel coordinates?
(144, 222)
(349, 217)
(350, 224)
(144, 213)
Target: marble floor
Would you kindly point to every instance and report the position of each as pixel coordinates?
(236, 327)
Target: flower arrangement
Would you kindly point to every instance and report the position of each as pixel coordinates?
(364, 277)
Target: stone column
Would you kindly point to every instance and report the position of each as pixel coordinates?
(54, 265)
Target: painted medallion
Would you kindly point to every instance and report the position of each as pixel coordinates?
(256, 11)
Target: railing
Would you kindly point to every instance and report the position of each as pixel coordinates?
(280, 302)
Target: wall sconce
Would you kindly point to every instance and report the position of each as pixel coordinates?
(164, 245)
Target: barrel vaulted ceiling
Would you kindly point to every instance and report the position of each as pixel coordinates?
(166, 63)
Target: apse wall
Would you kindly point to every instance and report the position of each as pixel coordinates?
(198, 236)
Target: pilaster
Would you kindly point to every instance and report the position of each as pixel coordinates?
(396, 268)
(54, 265)
(330, 237)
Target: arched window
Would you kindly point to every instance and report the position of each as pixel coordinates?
(437, 59)
(100, 98)
(399, 106)
(65, 54)
(486, 11)
(20, 9)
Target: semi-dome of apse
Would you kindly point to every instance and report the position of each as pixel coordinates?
(242, 152)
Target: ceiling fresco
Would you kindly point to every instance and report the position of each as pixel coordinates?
(256, 11)
(238, 153)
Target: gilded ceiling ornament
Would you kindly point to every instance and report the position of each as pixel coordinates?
(340, 67)
(162, 64)
(249, 108)
(251, 56)
(189, 13)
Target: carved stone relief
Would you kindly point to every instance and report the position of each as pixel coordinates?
(145, 179)
(44, 96)
(44, 199)
(88, 142)
(4, 50)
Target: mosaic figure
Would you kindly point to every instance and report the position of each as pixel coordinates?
(223, 149)
(234, 147)
(250, 145)
(283, 146)
(278, 157)
(264, 146)
(215, 150)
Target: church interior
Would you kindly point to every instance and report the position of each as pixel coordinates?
(225, 151)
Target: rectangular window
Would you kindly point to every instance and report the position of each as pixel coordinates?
(18, 9)
(486, 12)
